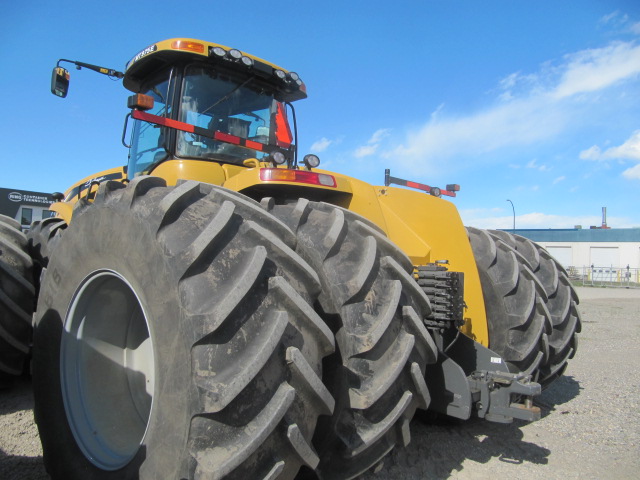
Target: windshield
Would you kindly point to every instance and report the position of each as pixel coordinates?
(239, 108)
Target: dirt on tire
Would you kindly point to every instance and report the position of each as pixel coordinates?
(374, 307)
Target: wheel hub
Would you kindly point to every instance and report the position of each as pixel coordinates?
(107, 369)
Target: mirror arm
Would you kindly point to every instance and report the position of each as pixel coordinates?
(105, 71)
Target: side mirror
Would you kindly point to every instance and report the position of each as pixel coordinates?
(60, 82)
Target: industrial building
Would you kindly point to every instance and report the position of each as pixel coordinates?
(613, 247)
(25, 206)
(595, 255)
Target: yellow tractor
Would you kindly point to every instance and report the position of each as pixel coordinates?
(222, 307)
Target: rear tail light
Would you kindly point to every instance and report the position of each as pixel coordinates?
(297, 176)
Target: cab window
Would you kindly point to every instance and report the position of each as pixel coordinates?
(219, 103)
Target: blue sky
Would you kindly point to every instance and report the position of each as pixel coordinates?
(536, 102)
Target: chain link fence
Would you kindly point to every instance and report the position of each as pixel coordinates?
(594, 276)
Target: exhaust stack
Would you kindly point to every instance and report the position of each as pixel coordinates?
(604, 218)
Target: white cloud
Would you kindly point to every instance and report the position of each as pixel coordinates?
(509, 81)
(591, 153)
(436, 113)
(378, 135)
(534, 164)
(365, 151)
(321, 145)
(629, 150)
(632, 173)
(538, 107)
(519, 122)
(599, 68)
(610, 17)
(620, 21)
(372, 144)
(559, 179)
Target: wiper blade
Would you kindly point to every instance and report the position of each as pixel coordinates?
(226, 97)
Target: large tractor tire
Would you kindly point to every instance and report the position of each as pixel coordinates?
(561, 300)
(16, 300)
(43, 237)
(175, 337)
(518, 320)
(376, 310)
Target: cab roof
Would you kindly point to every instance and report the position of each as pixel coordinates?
(167, 52)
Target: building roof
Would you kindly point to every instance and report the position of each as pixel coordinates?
(579, 235)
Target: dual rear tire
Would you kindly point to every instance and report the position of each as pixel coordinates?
(531, 306)
(376, 310)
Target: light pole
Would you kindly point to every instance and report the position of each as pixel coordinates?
(514, 215)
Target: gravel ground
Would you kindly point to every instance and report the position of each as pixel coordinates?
(590, 427)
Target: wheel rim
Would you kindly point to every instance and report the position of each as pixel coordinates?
(107, 369)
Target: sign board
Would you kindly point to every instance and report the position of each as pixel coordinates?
(12, 199)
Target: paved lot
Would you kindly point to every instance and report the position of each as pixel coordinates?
(590, 427)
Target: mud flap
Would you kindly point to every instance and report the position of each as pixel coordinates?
(468, 377)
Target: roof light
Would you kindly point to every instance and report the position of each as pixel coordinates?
(311, 160)
(297, 176)
(235, 53)
(188, 46)
(294, 76)
(435, 191)
(280, 74)
(247, 61)
(218, 51)
(278, 158)
(453, 187)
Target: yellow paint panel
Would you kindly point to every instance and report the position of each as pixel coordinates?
(174, 170)
(63, 210)
(429, 229)
(426, 228)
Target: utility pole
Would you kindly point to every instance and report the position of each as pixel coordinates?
(514, 215)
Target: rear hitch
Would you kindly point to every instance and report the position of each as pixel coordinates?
(495, 391)
(470, 378)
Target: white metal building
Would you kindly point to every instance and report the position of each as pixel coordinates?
(614, 247)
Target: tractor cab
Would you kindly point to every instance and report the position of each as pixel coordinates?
(202, 101)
